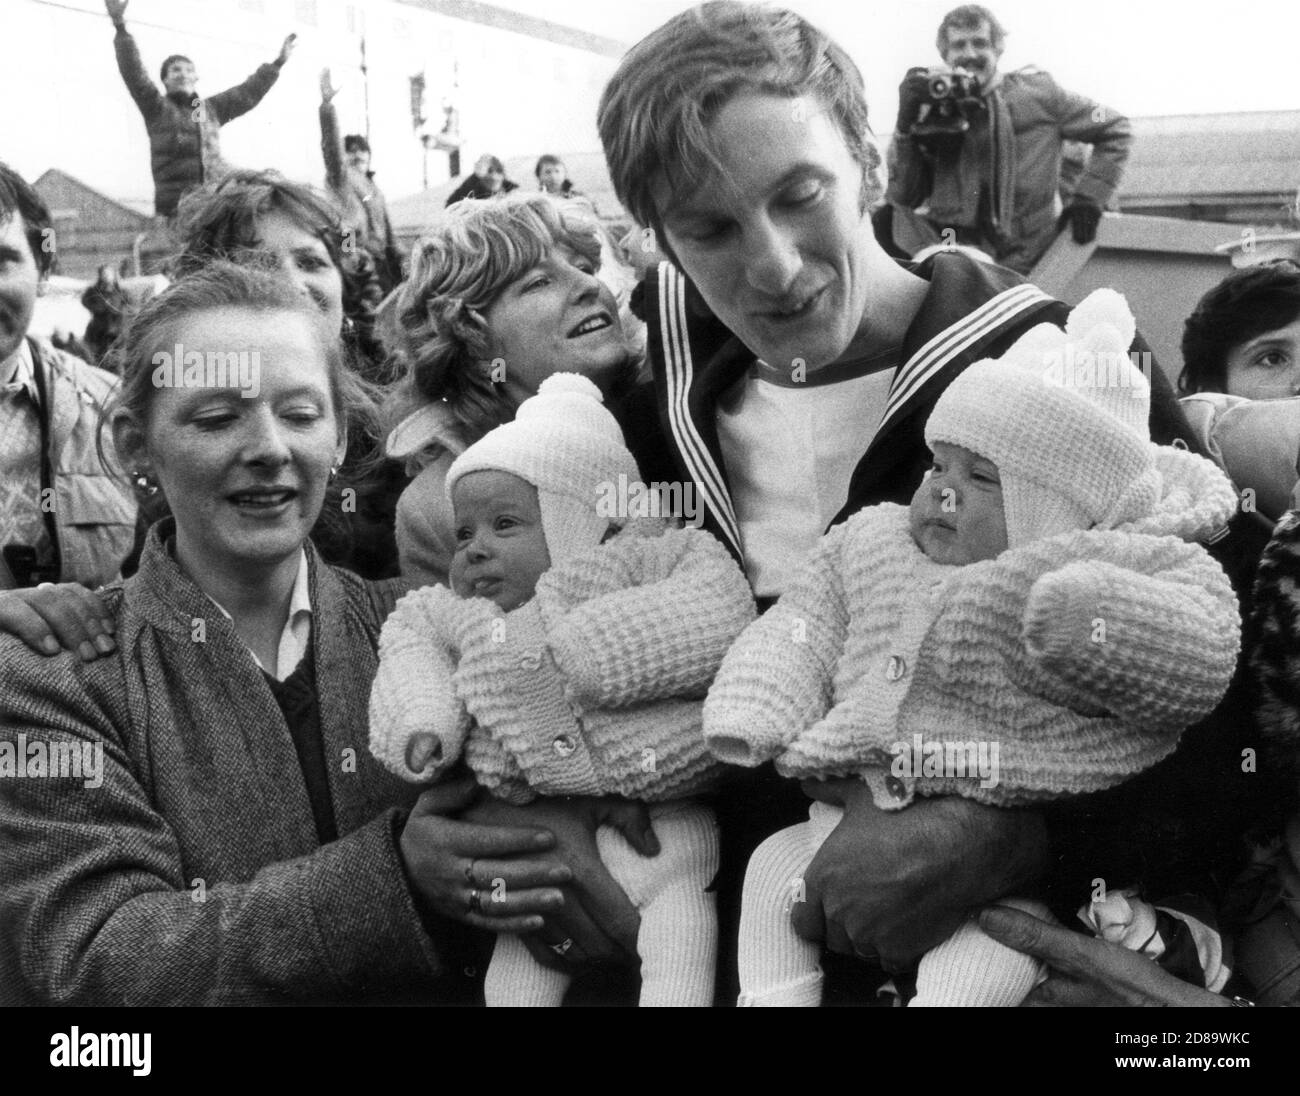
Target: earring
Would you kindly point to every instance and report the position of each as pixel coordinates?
(334, 471)
(144, 483)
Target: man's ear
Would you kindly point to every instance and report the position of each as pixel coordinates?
(873, 181)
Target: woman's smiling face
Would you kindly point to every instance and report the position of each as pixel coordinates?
(243, 466)
(303, 258)
(557, 318)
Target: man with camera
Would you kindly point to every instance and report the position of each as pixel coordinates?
(63, 518)
(978, 151)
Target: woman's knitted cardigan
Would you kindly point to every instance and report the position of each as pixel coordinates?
(593, 687)
(1081, 657)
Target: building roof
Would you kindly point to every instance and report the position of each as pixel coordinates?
(1196, 156)
(54, 179)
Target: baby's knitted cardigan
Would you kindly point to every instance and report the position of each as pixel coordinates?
(593, 687)
(1082, 656)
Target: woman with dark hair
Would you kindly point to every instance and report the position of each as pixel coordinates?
(488, 181)
(553, 177)
(1241, 380)
(1243, 337)
(262, 216)
(225, 836)
(259, 217)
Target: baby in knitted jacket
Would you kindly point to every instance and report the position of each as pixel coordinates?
(572, 659)
(1039, 623)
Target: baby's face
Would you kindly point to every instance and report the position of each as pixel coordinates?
(956, 515)
(500, 548)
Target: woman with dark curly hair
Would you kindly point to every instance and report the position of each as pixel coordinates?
(500, 296)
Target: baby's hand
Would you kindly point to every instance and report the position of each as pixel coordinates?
(421, 750)
(1060, 612)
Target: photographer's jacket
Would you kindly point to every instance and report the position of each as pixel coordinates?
(88, 514)
(1012, 153)
(185, 132)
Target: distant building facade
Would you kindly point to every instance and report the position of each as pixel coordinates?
(1233, 168)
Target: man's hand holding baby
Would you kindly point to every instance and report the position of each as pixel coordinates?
(896, 883)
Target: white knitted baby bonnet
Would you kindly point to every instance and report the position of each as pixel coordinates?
(1064, 417)
(568, 446)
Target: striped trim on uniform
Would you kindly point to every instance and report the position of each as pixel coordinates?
(679, 372)
(951, 341)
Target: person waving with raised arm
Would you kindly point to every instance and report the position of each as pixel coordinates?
(184, 128)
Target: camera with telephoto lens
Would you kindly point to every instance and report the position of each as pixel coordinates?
(953, 98)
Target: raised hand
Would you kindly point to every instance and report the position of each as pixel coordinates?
(285, 49)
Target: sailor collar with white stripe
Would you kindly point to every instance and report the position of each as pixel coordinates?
(933, 340)
(932, 343)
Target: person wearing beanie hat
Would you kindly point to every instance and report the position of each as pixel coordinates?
(1040, 623)
(565, 444)
(571, 657)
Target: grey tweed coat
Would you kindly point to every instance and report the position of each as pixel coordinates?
(193, 874)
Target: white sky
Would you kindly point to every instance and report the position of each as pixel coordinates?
(1140, 56)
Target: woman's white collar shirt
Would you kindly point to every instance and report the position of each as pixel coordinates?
(297, 629)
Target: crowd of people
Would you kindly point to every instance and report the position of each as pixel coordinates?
(399, 611)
